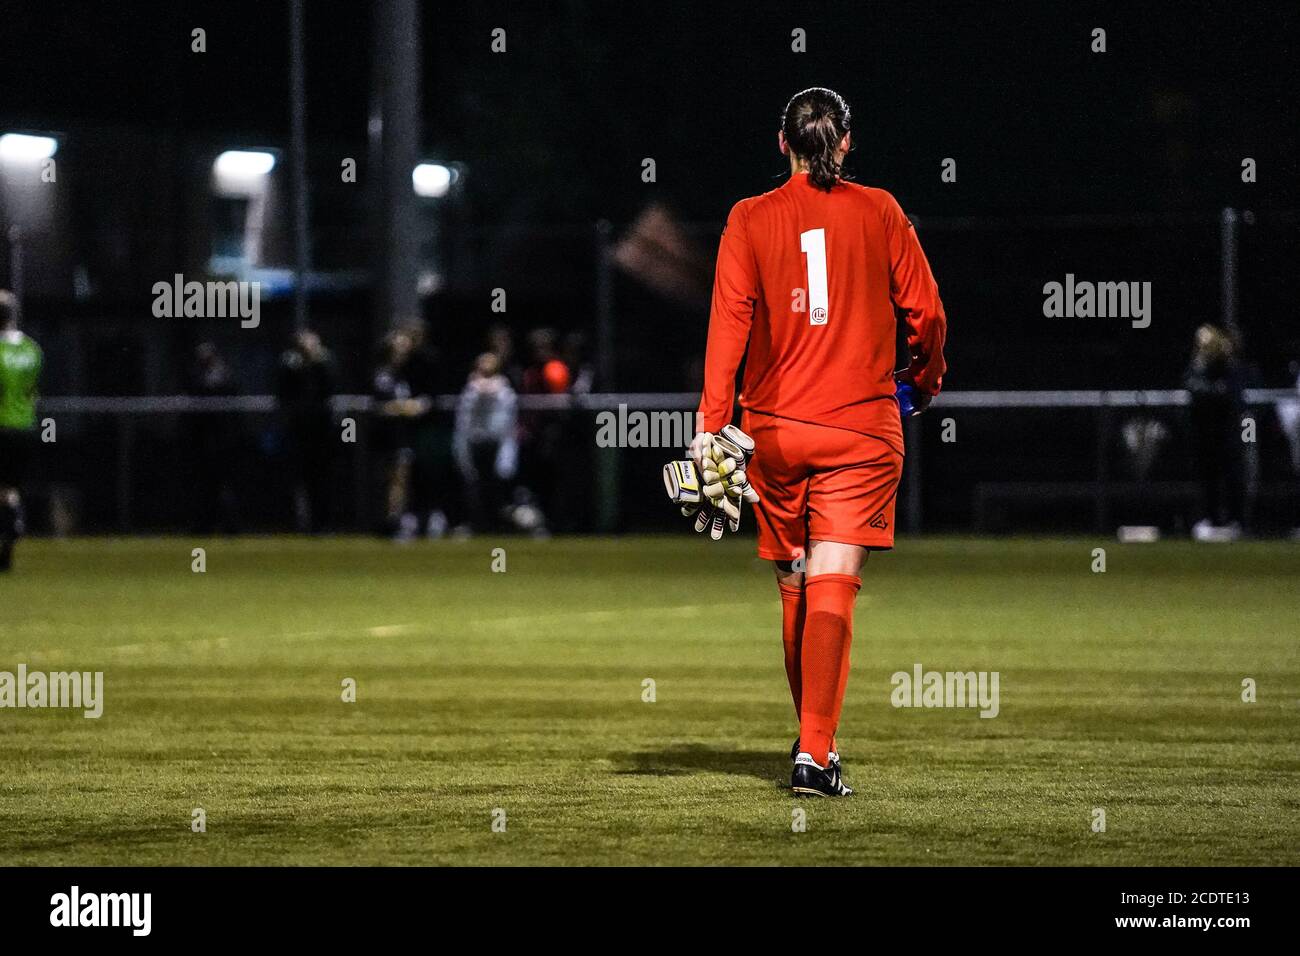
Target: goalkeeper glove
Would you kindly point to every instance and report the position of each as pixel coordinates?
(682, 484)
(713, 485)
(715, 521)
(725, 458)
(911, 401)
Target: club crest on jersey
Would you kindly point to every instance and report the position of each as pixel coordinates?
(818, 317)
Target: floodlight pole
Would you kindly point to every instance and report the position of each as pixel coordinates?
(607, 460)
(394, 129)
(298, 163)
(16, 267)
(1228, 228)
(1229, 241)
(604, 306)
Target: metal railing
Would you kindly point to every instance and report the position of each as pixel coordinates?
(1090, 476)
(646, 401)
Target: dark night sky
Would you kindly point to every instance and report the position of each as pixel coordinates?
(555, 129)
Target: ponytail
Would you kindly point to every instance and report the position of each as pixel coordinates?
(814, 123)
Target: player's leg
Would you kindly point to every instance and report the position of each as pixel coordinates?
(830, 589)
(794, 614)
(790, 584)
(14, 448)
(397, 491)
(10, 525)
(782, 484)
(850, 511)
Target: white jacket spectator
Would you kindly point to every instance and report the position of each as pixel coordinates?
(486, 422)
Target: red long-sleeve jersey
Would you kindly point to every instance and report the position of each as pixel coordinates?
(809, 280)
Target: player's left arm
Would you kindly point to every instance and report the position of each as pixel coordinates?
(914, 291)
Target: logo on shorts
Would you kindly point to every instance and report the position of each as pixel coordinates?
(878, 521)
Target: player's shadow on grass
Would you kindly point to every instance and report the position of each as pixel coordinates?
(683, 759)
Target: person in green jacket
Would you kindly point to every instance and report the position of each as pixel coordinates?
(20, 367)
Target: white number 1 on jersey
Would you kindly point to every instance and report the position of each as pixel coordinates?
(813, 243)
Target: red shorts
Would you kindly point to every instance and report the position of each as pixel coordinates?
(815, 481)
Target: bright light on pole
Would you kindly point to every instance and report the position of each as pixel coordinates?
(23, 148)
(431, 180)
(243, 164)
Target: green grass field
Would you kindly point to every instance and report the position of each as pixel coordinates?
(523, 691)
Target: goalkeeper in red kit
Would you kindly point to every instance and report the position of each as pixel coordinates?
(811, 280)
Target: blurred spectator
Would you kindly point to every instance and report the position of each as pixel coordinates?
(547, 373)
(214, 439)
(433, 473)
(502, 344)
(574, 356)
(574, 484)
(307, 378)
(486, 446)
(1214, 381)
(1288, 416)
(543, 432)
(20, 371)
(424, 370)
(397, 409)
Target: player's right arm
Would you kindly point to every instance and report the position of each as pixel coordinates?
(914, 291)
(735, 292)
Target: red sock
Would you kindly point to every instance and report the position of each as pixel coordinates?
(793, 613)
(792, 617)
(824, 659)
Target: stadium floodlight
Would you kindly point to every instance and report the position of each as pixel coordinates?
(431, 180)
(243, 164)
(243, 172)
(25, 148)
